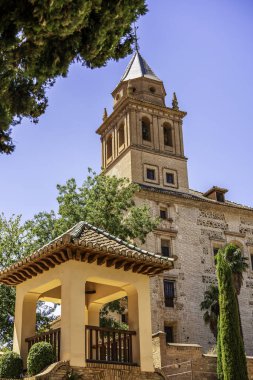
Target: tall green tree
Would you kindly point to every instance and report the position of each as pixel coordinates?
(106, 202)
(210, 305)
(238, 264)
(40, 39)
(232, 359)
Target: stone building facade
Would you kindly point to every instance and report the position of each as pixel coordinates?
(142, 139)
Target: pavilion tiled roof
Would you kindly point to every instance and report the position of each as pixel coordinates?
(85, 242)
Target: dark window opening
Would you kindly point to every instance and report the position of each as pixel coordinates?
(109, 147)
(151, 174)
(124, 318)
(167, 133)
(170, 178)
(251, 259)
(169, 293)
(121, 134)
(220, 197)
(152, 89)
(146, 133)
(215, 251)
(165, 248)
(163, 214)
(169, 334)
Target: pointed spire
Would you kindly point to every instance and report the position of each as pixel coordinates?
(175, 102)
(105, 115)
(138, 68)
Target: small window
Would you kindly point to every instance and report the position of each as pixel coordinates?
(215, 250)
(165, 248)
(169, 293)
(167, 134)
(251, 261)
(109, 147)
(169, 334)
(152, 89)
(151, 174)
(124, 318)
(146, 133)
(220, 196)
(121, 135)
(170, 178)
(163, 213)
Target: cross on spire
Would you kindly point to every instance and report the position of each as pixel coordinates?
(136, 46)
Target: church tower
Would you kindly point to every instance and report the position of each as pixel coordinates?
(142, 139)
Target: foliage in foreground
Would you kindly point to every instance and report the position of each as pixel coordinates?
(106, 202)
(11, 366)
(14, 245)
(118, 306)
(231, 354)
(238, 265)
(211, 306)
(40, 39)
(40, 356)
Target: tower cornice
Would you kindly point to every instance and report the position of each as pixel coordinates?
(132, 102)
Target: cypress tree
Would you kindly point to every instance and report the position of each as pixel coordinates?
(231, 354)
(219, 361)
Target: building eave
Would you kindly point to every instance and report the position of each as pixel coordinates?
(86, 243)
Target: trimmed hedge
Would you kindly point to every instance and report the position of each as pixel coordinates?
(40, 356)
(11, 366)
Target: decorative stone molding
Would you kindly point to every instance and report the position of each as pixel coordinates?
(205, 250)
(209, 280)
(245, 230)
(211, 215)
(212, 234)
(249, 284)
(212, 223)
(248, 222)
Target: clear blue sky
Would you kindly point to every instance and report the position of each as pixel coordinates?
(203, 50)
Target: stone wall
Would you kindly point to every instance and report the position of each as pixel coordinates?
(186, 361)
(194, 230)
(59, 371)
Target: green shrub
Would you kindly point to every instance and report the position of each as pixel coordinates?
(11, 365)
(40, 356)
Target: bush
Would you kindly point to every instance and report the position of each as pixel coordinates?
(11, 365)
(40, 356)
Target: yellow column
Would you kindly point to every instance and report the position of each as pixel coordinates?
(25, 321)
(145, 327)
(139, 320)
(133, 321)
(73, 314)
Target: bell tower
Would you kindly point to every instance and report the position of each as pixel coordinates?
(142, 139)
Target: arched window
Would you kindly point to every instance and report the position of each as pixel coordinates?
(167, 134)
(109, 147)
(121, 135)
(145, 125)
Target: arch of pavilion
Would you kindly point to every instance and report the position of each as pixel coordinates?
(82, 270)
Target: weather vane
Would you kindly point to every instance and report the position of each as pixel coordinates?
(136, 38)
